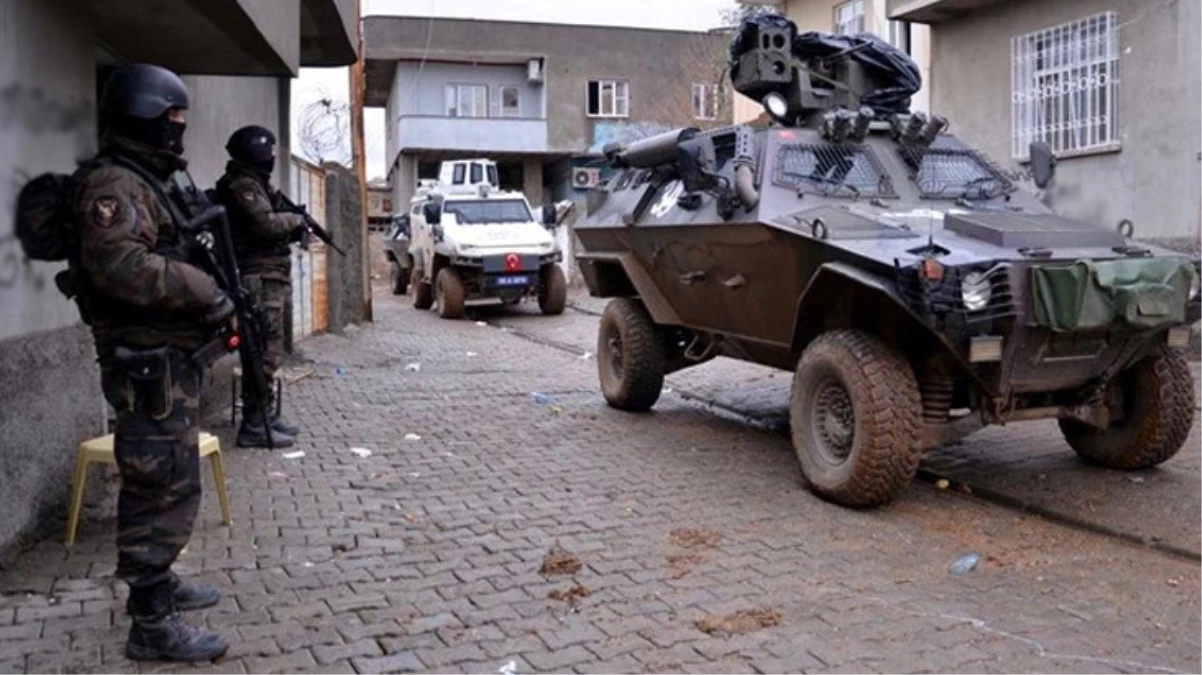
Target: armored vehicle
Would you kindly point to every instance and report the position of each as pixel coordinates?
(914, 289)
(472, 243)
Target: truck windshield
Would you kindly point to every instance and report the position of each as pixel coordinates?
(489, 211)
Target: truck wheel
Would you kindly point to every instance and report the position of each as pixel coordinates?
(553, 291)
(423, 295)
(448, 287)
(856, 417)
(397, 278)
(1158, 400)
(630, 357)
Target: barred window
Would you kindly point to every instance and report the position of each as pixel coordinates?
(1064, 87)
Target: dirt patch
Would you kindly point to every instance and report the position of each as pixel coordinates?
(572, 595)
(696, 539)
(681, 565)
(740, 623)
(560, 562)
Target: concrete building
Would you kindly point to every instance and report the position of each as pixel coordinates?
(851, 17)
(540, 99)
(1112, 85)
(238, 57)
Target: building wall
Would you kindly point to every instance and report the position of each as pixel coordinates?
(420, 89)
(48, 119)
(660, 66)
(1154, 179)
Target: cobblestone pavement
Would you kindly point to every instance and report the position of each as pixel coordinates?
(698, 549)
(1028, 462)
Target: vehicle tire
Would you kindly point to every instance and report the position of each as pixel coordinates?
(450, 293)
(553, 291)
(630, 356)
(423, 294)
(855, 414)
(1158, 399)
(397, 279)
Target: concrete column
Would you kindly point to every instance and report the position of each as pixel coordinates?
(404, 182)
(532, 180)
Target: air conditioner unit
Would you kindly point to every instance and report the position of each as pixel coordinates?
(534, 71)
(584, 178)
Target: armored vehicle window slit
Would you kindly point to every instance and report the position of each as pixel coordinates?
(850, 171)
(952, 173)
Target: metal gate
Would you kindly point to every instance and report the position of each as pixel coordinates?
(309, 307)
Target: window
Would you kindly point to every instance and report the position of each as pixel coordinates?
(952, 173)
(1064, 87)
(705, 101)
(459, 174)
(477, 174)
(489, 211)
(849, 17)
(467, 100)
(831, 170)
(511, 100)
(608, 98)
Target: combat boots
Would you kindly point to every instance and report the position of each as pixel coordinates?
(281, 426)
(253, 434)
(186, 596)
(159, 633)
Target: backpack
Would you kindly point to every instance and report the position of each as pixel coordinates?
(44, 222)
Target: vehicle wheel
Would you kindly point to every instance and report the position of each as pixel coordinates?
(423, 295)
(449, 290)
(553, 291)
(1157, 400)
(856, 417)
(630, 356)
(397, 278)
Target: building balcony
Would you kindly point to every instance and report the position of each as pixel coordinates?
(418, 133)
(931, 11)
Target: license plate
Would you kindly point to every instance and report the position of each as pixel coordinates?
(513, 281)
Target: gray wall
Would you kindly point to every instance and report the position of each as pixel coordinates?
(661, 66)
(420, 90)
(48, 120)
(52, 398)
(221, 105)
(1155, 179)
(345, 275)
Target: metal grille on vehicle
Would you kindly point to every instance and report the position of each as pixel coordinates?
(952, 173)
(831, 170)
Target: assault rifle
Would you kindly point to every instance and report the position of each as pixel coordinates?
(208, 231)
(312, 226)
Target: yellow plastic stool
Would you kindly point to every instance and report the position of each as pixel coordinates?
(100, 451)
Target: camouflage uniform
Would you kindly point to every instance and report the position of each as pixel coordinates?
(261, 237)
(145, 299)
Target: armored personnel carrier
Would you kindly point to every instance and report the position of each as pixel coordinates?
(916, 292)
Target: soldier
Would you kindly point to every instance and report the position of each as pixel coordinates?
(149, 310)
(261, 237)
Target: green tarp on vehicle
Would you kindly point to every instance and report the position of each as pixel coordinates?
(1143, 293)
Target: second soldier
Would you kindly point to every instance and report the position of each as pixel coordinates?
(261, 237)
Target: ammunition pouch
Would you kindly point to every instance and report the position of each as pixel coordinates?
(148, 374)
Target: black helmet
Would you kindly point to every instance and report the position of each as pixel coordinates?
(136, 101)
(253, 145)
(142, 91)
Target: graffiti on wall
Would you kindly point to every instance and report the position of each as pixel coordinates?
(29, 110)
(623, 133)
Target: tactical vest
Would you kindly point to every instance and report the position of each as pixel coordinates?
(247, 246)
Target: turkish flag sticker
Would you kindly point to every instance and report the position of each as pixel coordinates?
(513, 262)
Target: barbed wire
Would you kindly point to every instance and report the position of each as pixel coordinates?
(325, 131)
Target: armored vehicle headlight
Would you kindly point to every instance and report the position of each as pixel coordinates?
(975, 291)
(1193, 288)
